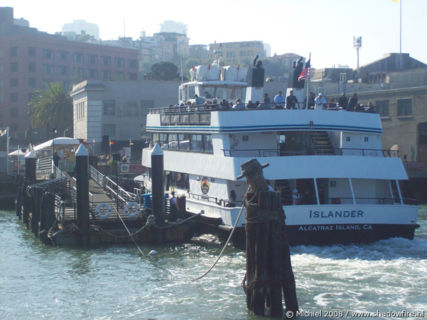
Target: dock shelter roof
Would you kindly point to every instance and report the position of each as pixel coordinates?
(57, 142)
(18, 153)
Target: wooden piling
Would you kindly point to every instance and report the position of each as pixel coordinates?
(157, 184)
(82, 185)
(30, 178)
(47, 215)
(35, 211)
(268, 264)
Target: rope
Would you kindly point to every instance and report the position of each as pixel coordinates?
(130, 235)
(177, 223)
(226, 243)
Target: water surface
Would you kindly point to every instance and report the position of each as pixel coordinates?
(42, 282)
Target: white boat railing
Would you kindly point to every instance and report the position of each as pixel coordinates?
(184, 108)
(309, 152)
(216, 200)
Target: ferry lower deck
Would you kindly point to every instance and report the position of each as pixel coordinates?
(323, 224)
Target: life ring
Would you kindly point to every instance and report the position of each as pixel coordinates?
(132, 209)
(103, 210)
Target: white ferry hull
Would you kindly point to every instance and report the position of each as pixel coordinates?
(325, 224)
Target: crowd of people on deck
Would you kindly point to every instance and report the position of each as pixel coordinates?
(319, 102)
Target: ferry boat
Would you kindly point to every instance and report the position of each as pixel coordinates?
(337, 183)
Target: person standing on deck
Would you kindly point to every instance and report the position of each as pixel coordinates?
(352, 103)
(320, 102)
(291, 101)
(279, 100)
(266, 99)
(343, 101)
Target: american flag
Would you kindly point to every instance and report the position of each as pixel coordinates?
(305, 73)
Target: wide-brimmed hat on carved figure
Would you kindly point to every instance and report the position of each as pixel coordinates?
(250, 167)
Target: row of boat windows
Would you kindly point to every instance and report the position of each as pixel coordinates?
(337, 191)
(173, 179)
(184, 141)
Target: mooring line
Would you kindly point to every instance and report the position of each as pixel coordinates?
(139, 249)
(130, 235)
(225, 246)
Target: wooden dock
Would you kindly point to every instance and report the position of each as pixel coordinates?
(48, 204)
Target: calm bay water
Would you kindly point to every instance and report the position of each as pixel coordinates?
(41, 282)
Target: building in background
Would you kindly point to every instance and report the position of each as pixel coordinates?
(199, 52)
(29, 59)
(117, 110)
(171, 46)
(237, 53)
(161, 47)
(77, 27)
(171, 26)
(399, 95)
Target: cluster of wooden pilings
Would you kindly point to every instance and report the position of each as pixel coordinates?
(80, 224)
(269, 275)
(36, 199)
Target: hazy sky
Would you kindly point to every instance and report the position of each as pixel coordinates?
(323, 27)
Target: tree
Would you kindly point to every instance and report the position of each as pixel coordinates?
(51, 108)
(164, 71)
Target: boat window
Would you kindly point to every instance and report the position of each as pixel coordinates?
(177, 180)
(191, 92)
(304, 192)
(208, 143)
(173, 141)
(223, 93)
(184, 141)
(394, 192)
(181, 94)
(323, 186)
(197, 142)
(163, 140)
(155, 139)
(334, 191)
(208, 92)
(239, 93)
(372, 191)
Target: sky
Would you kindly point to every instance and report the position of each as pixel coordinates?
(324, 28)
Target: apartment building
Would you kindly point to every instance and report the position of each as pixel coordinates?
(29, 59)
(235, 53)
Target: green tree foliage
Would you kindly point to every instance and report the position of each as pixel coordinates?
(51, 108)
(164, 71)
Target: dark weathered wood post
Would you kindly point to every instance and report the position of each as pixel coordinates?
(82, 177)
(30, 178)
(47, 215)
(35, 212)
(157, 184)
(268, 264)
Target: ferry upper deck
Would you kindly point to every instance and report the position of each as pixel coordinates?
(205, 138)
(264, 118)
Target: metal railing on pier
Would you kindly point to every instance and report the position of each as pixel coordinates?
(111, 186)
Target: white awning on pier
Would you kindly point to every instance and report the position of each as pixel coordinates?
(57, 142)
